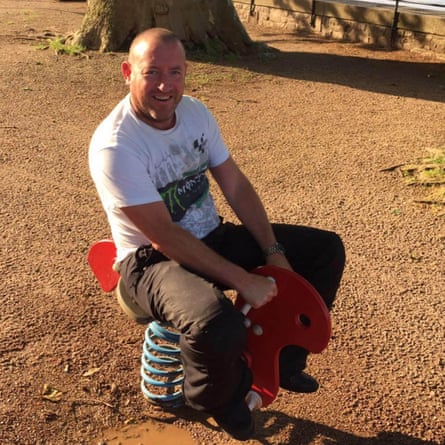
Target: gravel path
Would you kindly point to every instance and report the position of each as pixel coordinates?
(313, 127)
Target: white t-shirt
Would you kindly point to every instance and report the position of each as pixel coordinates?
(132, 163)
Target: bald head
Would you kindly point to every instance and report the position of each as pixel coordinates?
(150, 38)
(155, 73)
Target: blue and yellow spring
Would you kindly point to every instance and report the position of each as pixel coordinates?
(161, 371)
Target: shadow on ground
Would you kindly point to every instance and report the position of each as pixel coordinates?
(270, 423)
(420, 80)
(304, 432)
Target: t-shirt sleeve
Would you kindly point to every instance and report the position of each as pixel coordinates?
(218, 151)
(110, 167)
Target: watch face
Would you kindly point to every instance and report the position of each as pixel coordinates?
(279, 248)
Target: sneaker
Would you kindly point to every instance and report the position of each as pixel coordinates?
(237, 421)
(299, 382)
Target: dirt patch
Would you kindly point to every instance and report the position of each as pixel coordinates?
(313, 126)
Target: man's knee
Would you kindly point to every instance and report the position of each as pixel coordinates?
(221, 337)
(339, 257)
(334, 269)
(338, 250)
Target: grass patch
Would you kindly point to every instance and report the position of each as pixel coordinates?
(60, 46)
(430, 173)
(204, 74)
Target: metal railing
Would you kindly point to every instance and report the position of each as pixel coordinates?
(434, 8)
(417, 7)
(429, 7)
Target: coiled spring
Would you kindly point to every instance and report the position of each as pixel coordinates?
(161, 371)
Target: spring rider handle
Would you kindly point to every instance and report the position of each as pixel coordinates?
(296, 316)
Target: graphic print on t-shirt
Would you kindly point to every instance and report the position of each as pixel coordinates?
(178, 196)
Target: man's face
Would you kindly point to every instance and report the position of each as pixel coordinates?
(155, 74)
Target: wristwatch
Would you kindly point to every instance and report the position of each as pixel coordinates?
(274, 248)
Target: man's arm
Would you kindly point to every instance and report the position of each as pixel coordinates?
(155, 223)
(248, 207)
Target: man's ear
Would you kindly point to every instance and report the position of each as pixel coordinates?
(126, 72)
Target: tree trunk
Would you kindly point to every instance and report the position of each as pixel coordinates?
(110, 25)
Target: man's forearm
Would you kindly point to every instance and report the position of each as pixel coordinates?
(249, 209)
(193, 253)
(182, 247)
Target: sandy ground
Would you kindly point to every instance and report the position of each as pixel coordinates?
(313, 127)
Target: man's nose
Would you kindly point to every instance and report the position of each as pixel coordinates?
(164, 84)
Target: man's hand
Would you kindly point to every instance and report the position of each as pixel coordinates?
(258, 290)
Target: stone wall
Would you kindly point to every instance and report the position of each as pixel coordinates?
(348, 23)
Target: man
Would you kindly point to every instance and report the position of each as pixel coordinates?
(149, 160)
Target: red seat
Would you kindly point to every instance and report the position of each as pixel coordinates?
(101, 257)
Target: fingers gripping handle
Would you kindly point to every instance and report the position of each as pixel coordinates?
(246, 308)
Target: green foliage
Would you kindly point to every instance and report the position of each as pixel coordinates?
(60, 46)
(199, 78)
(429, 172)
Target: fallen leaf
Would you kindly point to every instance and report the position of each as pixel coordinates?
(90, 372)
(52, 394)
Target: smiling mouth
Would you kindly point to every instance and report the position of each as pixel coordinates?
(162, 98)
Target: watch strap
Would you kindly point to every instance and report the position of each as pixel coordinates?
(274, 248)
